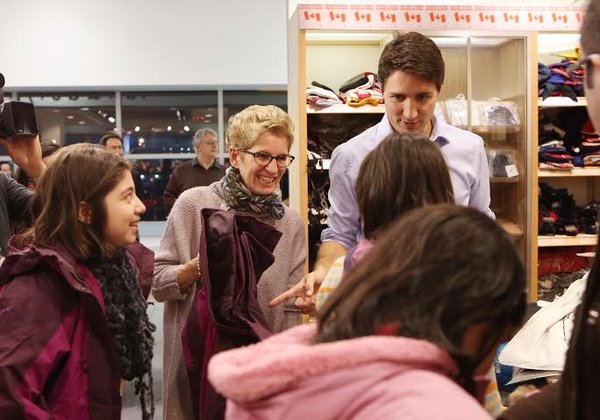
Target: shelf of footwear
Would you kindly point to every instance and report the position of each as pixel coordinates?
(580, 239)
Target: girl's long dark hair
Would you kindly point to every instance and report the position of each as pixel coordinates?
(434, 273)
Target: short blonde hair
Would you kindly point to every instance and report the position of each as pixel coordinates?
(248, 124)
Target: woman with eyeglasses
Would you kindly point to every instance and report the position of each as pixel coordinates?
(259, 140)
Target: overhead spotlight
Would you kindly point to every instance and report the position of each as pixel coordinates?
(169, 128)
(137, 128)
(111, 119)
(208, 115)
(186, 128)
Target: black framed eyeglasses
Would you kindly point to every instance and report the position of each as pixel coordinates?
(264, 158)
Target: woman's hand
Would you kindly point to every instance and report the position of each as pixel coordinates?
(188, 274)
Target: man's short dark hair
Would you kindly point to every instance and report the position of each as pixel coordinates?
(412, 53)
(109, 136)
(590, 29)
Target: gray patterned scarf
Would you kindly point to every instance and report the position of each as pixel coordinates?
(238, 197)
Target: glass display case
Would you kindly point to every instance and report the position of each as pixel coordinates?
(486, 91)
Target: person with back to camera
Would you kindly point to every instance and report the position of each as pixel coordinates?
(259, 140)
(73, 319)
(575, 396)
(204, 169)
(411, 71)
(408, 334)
(16, 199)
(404, 171)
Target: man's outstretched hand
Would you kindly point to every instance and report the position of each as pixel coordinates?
(304, 291)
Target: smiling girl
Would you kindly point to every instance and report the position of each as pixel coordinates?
(73, 318)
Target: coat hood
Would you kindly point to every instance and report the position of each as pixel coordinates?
(22, 258)
(277, 364)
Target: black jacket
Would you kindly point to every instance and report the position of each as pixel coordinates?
(15, 208)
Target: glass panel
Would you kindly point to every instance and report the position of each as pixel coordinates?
(454, 52)
(499, 89)
(164, 122)
(236, 100)
(73, 117)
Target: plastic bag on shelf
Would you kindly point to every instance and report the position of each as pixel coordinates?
(502, 163)
(456, 111)
(495, 112)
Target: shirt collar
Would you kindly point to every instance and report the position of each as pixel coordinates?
(386, 130)
(435, 132)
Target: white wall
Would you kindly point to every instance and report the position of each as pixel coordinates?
(113, 44)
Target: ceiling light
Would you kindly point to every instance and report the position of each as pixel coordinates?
(186, 128)
(208, 115)
(111, 119)
(70, 117)
(137, 128)
(169, 128)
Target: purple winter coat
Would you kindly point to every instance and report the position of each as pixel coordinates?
(57, 358)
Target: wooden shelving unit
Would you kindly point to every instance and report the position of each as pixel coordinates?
(564, 240)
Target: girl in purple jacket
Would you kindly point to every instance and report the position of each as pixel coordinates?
(73, 318)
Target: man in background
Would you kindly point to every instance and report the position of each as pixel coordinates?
(202, 170)
(6, 168)
(114, 143)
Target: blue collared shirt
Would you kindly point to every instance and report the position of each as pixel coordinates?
(465, 156)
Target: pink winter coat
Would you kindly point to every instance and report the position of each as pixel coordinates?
(377, 377)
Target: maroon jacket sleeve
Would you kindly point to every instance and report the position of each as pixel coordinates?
(35, 339)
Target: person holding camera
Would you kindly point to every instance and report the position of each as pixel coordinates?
(16, 199)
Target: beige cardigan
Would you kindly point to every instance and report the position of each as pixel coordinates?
(179, 244)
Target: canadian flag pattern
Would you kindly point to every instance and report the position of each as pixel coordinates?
(441, 17)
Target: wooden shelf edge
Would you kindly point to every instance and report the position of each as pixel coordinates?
(510, 227)
(561, 101)
(346, 109)
(550, 173)
(581, 239)
(504, 180)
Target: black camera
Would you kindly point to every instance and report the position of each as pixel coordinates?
(16, 117)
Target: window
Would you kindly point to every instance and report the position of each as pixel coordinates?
(157, 127)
